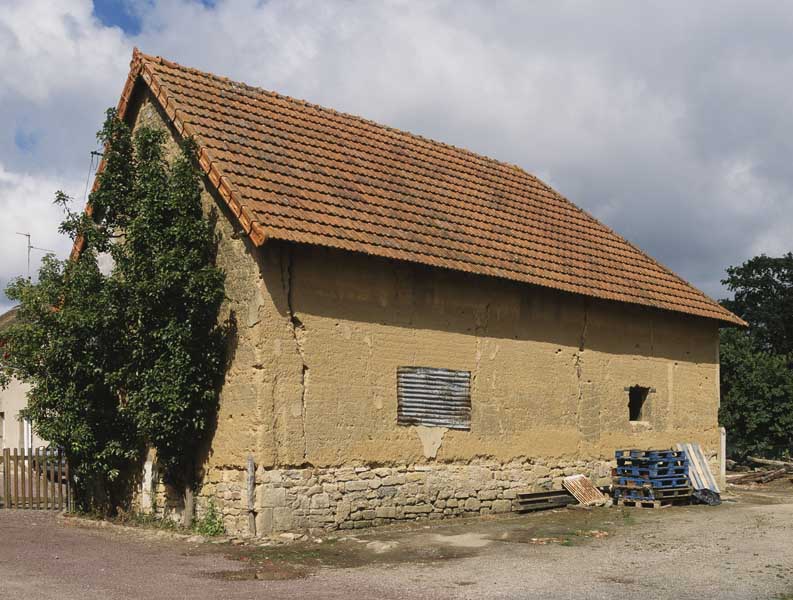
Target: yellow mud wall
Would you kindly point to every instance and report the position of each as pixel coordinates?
(320, 334)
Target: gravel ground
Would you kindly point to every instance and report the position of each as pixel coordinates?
(742, 549)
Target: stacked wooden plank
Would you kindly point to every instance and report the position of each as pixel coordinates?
(531, 501)
(651, 478)
(699, 473)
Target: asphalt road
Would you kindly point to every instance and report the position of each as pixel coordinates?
(742, 549)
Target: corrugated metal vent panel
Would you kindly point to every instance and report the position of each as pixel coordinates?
(434, 397)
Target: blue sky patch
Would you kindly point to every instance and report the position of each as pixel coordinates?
(122, 13)
(117, 13)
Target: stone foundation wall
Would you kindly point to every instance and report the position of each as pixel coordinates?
(356, 497)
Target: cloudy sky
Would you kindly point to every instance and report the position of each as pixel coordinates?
(671, 122)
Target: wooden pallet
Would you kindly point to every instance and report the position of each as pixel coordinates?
(646, 493)
(652, 471)
(658, 483)
(667, 454)
(663, 503)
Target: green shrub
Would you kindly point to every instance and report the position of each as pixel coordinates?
(211, 524)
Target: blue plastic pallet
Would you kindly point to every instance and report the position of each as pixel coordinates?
(652, 472)
(652, 462)
(649, 454)
(650, 494)
(662, 482)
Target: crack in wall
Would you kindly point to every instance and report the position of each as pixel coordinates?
(581, 345)
(579, 368)
(480, 328)
(298, 331)
(276, 442)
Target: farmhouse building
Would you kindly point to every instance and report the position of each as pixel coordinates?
(422, 332)
(15, 431)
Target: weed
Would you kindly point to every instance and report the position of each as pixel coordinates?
(211, 524)
(137, 519)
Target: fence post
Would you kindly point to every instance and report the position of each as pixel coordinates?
(37, 467)
(6, 477)
(60, 479)
(23, 480)
(30, 478)
(69, 506)
(16, 478)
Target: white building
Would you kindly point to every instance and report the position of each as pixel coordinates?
(14, 431)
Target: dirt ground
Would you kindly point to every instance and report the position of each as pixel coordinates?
(742, 549)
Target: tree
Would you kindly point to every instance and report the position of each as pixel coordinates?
(65, 354)
(763, 297)
(756, 397)
(757, 364)
(131, 358)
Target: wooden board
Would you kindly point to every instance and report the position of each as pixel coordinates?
(533, 501)
(581, 487)
(698, 470)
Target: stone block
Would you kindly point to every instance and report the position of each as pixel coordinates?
(418, 508)
(501, 506)
(472, 504)
(283, 519)
(540, 471)
(346, 475)
(488, 495)
(320, 501)
(394, 480)
(362, 524)
(343, 509)
(272, 497)
(356, 486)
(386, 491)
(385, 512)
(264, 521)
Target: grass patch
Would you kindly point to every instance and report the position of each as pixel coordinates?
(149, 521)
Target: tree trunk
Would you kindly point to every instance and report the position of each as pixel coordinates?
(771, 463)
(189, 507)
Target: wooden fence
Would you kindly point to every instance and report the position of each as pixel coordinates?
(35, 479)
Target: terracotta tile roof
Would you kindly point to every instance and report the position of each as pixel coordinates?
(295, 171)
(8, 318)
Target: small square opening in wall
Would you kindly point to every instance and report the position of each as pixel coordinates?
(637, 402)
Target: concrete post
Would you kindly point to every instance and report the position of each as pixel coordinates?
(723, 459)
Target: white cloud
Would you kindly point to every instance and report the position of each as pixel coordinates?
(26, 206)
(70, 51)
(672, 126)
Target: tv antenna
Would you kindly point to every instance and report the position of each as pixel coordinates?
(32, 247)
